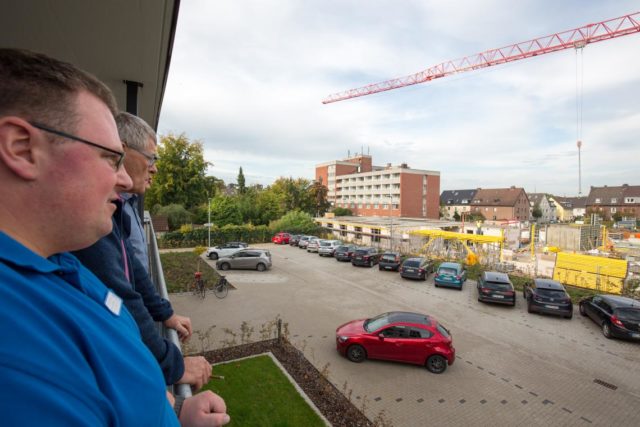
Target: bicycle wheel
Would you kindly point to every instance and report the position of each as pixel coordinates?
(221, 289)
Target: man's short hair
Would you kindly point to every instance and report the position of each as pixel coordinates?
(134, 131)
(43, 89)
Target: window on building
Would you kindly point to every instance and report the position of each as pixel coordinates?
(375, 234)
(375, 206)
(395, 206)
(614, 200)
(613, 210)
(597, 200)
(330, 225)
(630, 200)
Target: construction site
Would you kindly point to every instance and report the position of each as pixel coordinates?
(586, 256)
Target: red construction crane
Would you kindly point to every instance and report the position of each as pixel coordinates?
(579, 37)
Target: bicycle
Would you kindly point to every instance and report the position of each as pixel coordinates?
(221, 289)
(200, 287)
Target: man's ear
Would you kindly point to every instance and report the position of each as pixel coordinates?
(17, 143)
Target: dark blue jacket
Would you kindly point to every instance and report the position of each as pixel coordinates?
(105, 259)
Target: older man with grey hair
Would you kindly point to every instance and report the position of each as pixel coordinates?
(113, 260)
(140, 163)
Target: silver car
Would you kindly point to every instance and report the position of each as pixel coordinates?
(304, 241)
(328, 247)
(246, 259)
(313, 245)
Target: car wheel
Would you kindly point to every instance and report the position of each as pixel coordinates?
(224, 266)
(356, 353)
(213, 256)
(529, 307)
(436, 285)
(582, 310)
(379, 268)
(370, 264)
(261, 267)
(606, 330)
(436, 364)
(424, 278)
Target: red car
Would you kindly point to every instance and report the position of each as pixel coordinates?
(398, 336)
(281, 238)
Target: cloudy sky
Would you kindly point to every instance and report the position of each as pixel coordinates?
(248, 78)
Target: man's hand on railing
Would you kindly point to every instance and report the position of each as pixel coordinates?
(196, 372)
(204, 409)
(181, 324)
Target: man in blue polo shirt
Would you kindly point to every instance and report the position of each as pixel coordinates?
(71, 353)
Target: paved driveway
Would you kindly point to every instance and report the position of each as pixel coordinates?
(512, 368)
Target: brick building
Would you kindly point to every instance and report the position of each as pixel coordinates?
(368, 190)
(607, 201)
(502, 204)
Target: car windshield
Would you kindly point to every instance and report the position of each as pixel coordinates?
(497, 286)
(389, 257)
(325, 243)
(376, 323)
(628, 314)
(411, 263)
(342, 248)
(551, 293)
(362, 251)
(447, 271)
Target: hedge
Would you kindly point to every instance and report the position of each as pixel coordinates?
(229, 233)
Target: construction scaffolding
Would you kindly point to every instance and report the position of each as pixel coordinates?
(470, 248)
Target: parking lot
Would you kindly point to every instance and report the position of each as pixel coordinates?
(512, 367)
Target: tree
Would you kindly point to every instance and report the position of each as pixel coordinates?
(318, 193)
(456, 216)
(295, 222)
(181, 173)
(224, 210)
(536, 212)
(342, 212)
(241, 182)
(176, 214)
(213, 185)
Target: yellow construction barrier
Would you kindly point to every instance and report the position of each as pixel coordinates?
(591, 272)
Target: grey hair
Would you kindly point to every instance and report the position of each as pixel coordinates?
(134, 131)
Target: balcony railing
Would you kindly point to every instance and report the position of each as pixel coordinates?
(157, 275)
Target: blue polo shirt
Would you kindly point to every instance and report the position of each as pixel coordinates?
(70, 354)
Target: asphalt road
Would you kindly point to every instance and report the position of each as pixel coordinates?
(512, 368)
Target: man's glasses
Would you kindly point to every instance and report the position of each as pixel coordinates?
(116, 159)
(151, 158)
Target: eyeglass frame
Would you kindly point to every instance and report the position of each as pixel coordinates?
(151, 158)
(117, 166)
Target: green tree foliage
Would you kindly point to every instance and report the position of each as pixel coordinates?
(293, 194)
(295, 222)
(456, 216)
(177, 215)
(241, 182)
(342, 212)
(181, 173)
(318, 194)
(213, 185)
(536, 212)
(224, 210)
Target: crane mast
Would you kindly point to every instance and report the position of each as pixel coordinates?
(578, 37)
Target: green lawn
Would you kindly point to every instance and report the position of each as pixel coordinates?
(257, 393)
(179, 268)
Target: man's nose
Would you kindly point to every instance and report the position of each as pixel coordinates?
(123, 181)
